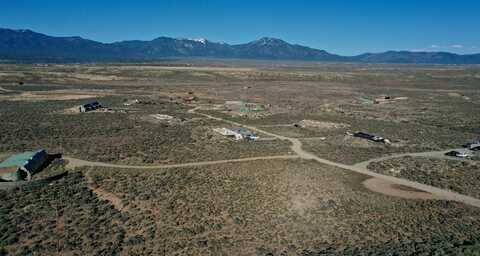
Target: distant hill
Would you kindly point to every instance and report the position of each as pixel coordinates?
(417, 57)
(27, 45)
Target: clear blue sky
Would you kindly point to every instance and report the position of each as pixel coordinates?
(345, 27)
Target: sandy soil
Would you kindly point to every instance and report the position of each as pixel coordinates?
(113, 199)
(97, 77)
(73, 163)
(4, 90)
(57, 95)
(322, 124)
(188, 68)
(388, 188)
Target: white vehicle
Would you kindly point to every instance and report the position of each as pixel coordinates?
(474, 146)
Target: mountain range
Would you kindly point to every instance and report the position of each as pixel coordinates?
(27, 45)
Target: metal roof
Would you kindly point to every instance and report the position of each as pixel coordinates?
(241, 131)
(17, 160)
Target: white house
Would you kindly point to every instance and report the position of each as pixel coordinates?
(238, 133)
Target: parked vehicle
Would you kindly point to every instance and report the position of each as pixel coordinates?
(472, 143)
(474, 147)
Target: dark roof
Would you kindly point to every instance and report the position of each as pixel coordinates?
(92, 104)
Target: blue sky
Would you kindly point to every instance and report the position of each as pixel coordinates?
(344, 26)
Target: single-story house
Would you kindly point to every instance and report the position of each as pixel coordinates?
(371, 137)
(90, 106)
(23, 166)
(131, 102)
(189, 99)
(381, 99)
(239, 133)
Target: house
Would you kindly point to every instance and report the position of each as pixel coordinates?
(162, 117)
(243, 107)
(131, 102)
(238, 133)
(371, 137)
(90, 106)
(189, 99)
(381, 99)
(23, 166)
(458, 153)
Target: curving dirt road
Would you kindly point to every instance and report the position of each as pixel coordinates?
(361, 167)
(378, 183)
(74, 162)
(392, 189)
(431, 154)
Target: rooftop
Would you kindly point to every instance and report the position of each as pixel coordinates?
(17, 160)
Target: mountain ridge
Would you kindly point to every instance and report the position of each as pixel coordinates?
(25, 44)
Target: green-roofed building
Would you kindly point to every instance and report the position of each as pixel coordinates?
(251, 107)
(23, 166)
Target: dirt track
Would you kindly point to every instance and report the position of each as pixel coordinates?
(113, 199)
(359, 168)
(382, 183)
(431, 154)
(74, 162)
(388, 188)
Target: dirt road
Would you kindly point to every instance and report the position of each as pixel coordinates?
(361, 168)
(431, 154)
(392, 189)
(381, 183)
(110, 197)
(74, 162)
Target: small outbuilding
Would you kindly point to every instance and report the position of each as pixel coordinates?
(23, 166)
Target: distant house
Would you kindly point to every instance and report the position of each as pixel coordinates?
(131, 102)
(458, 153)
(162, 117)
(371, 137)
(23, 166)
(381, 99)
(90, 106)
(243, 107)
(238, 133)
(189, 99)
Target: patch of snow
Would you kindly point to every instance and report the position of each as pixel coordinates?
(200, 40)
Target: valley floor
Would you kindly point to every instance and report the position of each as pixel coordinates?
(154, 178)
